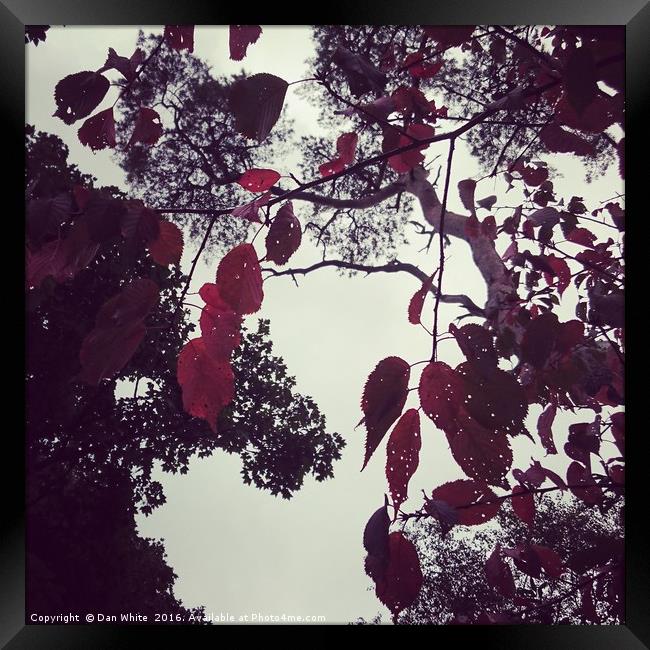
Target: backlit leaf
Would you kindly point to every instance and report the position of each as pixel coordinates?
(384, 396)
(167, 248)
(119, 330)
(148, 127)
(442, 393)
(402, 579)
(207, 384)
(220, 325)
(284, 236)
(180, 37)
(259, 180)
(240, 37)
(403, 455)
(240, 279)
(473, 501)
(98, 131)
(482, 454)
(79, 94)
(498, 574)
(256, 103)
(524, 505)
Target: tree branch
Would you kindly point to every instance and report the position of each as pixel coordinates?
(421, 514)
(331, 202)
(392, 267)
(511, 100)
(543, 56)
(500, 288)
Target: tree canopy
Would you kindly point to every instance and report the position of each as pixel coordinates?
(109, 310)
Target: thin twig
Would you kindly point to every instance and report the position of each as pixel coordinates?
(441, 262)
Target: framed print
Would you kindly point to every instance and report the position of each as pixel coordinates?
(325, 322)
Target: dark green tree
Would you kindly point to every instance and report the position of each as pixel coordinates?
(88, 445)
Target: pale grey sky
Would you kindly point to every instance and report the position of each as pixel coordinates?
(236, 549)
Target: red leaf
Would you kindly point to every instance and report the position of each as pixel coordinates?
(535, 475)
(487, 202)
(256, 103)
(580, 78)
(207, 384)
(581, 236)
(127, 67)
(98, 131)
(528, 229)
(539, 339)
(532, 176)
(569, 335)
(525, 559)
(402, 580)
(474, 502)
(167, 248)
(331, 167)
(44, 217)
(384, 396)
(410, 102)
(498, 574)
(346, 146)
(180, 37)
(483, 455)
(477, 345)
(220, 325)
(466, 191)
(511, 251)
(559, 140)
(105, 351)
(442, 394)
(81, 195)
(140, 221)
(544, 424)
(259, 180)
(375, 541)
(251, 211)
(79, 94)
(494, 398)
(148, 127)
(560, 270)
(61, 259)
(241, 36)
(134, 302)
(240, 279)
(118, 331)
(418, 68)
(402, 456)
(417, 301)
(405, 161)
(524, 505)
(599, 115)
(550, 560)
(582, 484)
(284, 236)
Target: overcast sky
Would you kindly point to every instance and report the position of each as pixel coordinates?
(236, 549)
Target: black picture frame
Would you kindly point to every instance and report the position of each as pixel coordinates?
(15, 14)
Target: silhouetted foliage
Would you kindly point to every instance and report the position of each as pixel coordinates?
(89, 445)
(106, 295)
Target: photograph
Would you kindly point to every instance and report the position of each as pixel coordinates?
(325, 324)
